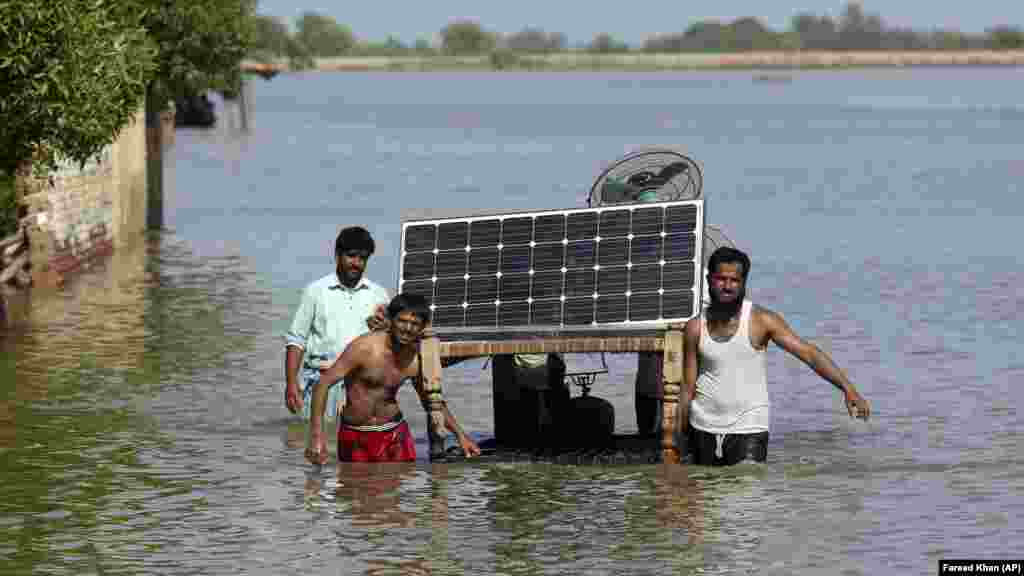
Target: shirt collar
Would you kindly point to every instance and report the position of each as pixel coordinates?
(337, 285)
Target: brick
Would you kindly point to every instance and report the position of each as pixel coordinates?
(77, 206)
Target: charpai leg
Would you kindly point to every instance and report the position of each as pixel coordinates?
(672, 378)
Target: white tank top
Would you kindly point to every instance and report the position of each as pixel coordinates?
(732, 383)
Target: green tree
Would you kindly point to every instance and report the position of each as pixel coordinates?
(270, 36)
(466, 37)
(323, 36)
(200, 43)
(73, 72)
(8, 206)
(535, 40)
(750, 34)
(1006, 38)
(707, 35)
(949, 40)
(272, 39)
(816, 33)
(422, 46)
(605, 43)
(859, 30)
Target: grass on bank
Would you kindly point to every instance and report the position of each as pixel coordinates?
(570, 61)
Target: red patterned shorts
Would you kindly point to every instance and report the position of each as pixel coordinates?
(390, 442)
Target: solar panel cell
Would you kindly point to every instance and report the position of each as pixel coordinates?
(484, 233)
(517, 231)
(451, 264)
(644, 307)
(613, 251)
(453, 236)
(482, 315)
(546, 312)
(581, 226)
(421, 238)
(549, 228)
(612, 309)
(548, 256)
(645, 278)
(450, 292)
(613, 223)
(515, 259)
(514, 314)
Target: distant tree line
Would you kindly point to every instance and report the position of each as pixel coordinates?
(854, 29)
(317, 35)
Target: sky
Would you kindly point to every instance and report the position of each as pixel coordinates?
(631, 20)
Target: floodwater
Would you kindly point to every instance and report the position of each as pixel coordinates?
(142, 429)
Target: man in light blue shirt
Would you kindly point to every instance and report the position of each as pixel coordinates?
(335, 310)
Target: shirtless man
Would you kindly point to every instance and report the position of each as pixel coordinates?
(727, 405)
(375, 365)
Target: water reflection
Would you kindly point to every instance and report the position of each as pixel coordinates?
(82, 482)
(368, 493)
(534, 519)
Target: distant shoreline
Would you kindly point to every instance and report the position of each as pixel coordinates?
(583, 61)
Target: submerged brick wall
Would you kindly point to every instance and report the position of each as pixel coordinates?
(79, 213)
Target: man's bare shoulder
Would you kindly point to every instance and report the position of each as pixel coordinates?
(766, 317)
(692, 328)
(369, 341)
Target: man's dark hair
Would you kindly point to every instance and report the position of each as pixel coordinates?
(415, 303)
(727, 255)
(354, 238)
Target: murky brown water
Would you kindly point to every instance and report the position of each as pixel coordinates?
(141, 426)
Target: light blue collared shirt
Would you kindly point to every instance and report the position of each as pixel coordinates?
(331, 315)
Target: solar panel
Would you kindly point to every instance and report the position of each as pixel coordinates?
(606, 267)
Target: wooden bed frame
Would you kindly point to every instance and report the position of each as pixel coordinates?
(668, 340)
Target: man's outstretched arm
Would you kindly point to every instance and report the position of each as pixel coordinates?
(469, 447)
(346, 363)
(781, 334)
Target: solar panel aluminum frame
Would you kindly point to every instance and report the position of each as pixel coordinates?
(562, 328)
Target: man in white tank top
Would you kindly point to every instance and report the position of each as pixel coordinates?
(727, 406)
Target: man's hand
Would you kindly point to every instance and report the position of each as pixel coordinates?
(293, 398)
(856, 405)
(379, 320)
(317, 452)
(469, 448)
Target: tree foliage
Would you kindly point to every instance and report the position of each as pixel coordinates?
(1006, 38)
(323, 36)
(72, 72)
(535, 40)
(605, 43)
(854, 29)
(270, 35)
(272, 39)
(8, 206)
(466, 37)
(200, 42)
